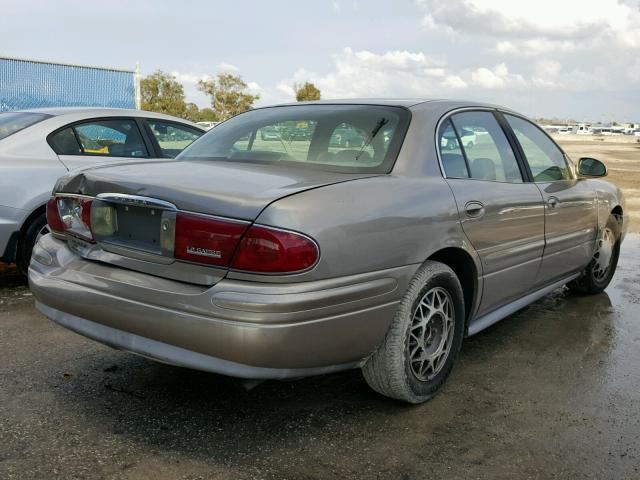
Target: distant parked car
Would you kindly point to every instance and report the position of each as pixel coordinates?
(450, 140)
(270, 133)
(258, 260)
(207, 125)
(38, 146)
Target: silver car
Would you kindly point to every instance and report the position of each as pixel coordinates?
(272, 260)
(38, 146)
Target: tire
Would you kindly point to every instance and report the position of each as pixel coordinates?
(389, 370)
(469, 144)
(28, 240)
(597, 275)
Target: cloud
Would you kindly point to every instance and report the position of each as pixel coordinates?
(454, 82)
(365, 74)
(540, 26)
(227, 68)
(497, 77)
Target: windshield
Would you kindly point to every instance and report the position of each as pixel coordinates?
(12, 122)
(341, 138)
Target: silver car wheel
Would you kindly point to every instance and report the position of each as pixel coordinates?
(604, 253)
(431, 333)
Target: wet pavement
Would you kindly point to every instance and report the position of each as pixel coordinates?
(551, 392)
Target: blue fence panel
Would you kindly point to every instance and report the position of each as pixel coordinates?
(28, 84)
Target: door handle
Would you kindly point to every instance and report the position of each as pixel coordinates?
(474, 209)
(553, 202)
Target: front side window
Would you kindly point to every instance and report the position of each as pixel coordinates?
(172, 137)
(485, 149)
(12, 122)
(109, 138)
(341, 138)
(545, 159)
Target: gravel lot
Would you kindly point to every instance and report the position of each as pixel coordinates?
(551, 392)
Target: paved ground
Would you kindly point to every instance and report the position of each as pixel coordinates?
(551, 392)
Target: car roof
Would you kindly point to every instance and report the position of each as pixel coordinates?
(412, 103)
(80, 112)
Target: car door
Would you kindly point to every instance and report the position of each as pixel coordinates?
(570, 203)
(100, 140)
(172, 137)
(501, 215)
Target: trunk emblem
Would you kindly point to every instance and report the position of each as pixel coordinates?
(204, 252)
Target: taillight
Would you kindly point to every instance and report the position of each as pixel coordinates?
(53, 216)
(268, 250)
(204, 239)
(70, 214)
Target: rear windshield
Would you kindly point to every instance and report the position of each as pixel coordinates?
(342, 138)
(12, 122)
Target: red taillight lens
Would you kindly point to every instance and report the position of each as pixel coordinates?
(205, 239)
(70, 214)
(53, 216)
(267, 250)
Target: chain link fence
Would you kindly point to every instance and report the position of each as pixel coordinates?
(26, 84)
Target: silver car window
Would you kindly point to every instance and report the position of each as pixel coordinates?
(486, 148)
(12, 122)
(545, 159)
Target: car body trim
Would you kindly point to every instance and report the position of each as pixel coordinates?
(485, 321)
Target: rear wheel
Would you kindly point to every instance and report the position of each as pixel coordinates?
(36, 228)
(420, 348)
(598, 274)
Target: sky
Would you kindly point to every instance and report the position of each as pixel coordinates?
(566, 59)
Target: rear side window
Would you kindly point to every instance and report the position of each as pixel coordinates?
(109, 138)
(12, 122)
(545, 159)
(485, 149)
(453, 161)
(172, 137)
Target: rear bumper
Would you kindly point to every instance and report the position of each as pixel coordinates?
(242, 329)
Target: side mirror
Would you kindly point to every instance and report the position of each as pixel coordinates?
(590, 167)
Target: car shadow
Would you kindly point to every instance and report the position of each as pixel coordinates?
(215, 419)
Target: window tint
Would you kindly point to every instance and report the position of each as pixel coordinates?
(343, 138)
(453, 161)
(173, 138)
(545, 159)
(65, 143)
(486, 148)
(12, 122)
(290, 140)
(114, 138)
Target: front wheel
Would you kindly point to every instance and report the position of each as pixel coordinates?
(598, 274)
(420, 348)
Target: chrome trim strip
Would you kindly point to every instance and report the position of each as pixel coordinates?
(500, 313)
(137, 200)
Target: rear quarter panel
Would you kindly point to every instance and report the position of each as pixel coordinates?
(371, 224)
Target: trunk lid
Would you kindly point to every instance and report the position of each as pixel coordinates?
(135, 207)
(233, 190)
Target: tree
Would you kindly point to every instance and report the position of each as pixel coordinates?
(194, 114)
(161, 92)
(306, 92)
(228, 94)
